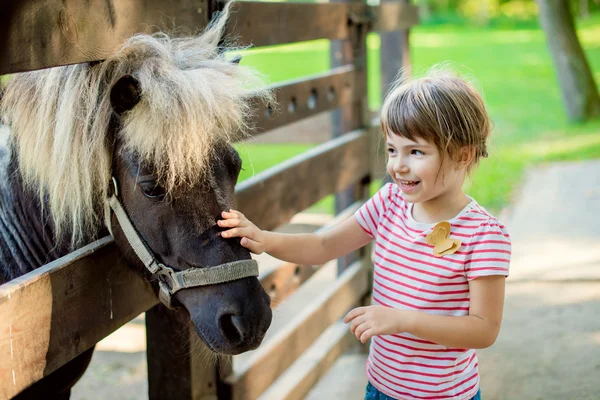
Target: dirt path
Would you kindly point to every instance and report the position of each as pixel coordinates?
(549, 347)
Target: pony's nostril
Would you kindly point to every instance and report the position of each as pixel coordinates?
(229, 324)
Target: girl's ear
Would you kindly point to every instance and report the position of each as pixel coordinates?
(466, 155)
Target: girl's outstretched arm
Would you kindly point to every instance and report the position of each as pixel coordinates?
(308, 248)
(477, 330)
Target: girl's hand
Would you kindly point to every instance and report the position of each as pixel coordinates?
(252, 237)
(366, 322)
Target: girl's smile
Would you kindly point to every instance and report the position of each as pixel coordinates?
(407, 186)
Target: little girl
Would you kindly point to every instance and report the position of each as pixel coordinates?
(440, 259)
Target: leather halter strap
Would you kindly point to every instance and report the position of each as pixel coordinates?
(171, 281)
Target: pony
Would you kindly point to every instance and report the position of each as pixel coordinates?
(140, 145)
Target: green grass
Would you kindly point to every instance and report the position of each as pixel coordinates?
(512, 68)
(257, 158)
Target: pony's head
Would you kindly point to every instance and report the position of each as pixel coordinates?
(159, 117)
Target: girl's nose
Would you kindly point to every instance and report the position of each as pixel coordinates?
(400, 166)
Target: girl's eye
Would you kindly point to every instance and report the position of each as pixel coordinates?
(417, 152)
(391, 151)
(152, 190)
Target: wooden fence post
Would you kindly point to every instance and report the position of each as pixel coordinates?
(176, 366)
(351, 116)
(394, 54)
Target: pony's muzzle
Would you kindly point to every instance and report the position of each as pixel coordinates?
(232, 317)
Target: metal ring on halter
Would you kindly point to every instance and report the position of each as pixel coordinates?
(115, 188)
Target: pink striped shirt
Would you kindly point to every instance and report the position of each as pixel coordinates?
(407, 275)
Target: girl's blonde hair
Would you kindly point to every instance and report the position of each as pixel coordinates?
(442, 108)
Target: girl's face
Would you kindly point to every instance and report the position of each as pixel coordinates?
(418, 170)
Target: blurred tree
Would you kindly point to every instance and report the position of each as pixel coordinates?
(584, 8)
(579, 91)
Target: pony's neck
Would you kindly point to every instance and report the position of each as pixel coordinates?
(26, 236)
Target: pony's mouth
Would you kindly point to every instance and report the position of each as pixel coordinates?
(224, 345)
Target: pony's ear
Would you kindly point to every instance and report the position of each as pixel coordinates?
(125, 94)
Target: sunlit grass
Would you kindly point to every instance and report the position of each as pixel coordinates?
(280, 63)
(256, 158)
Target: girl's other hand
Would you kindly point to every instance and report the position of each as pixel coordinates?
(369, 321)
(252, 237)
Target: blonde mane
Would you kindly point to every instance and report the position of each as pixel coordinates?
(192, 98)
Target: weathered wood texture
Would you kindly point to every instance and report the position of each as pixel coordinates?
(394, 15)
(298, 380)
(177, 367)
(394, 48)
(307, 97)
(265, 24)
(273, 358)
(51, 315)
(351, 116)
(272, 197)
(39, 34)
(283, 281)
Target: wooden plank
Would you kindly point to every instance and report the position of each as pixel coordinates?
(394, 15)
(38, 34)
(311, 366)
(394, 49)
(395, 57)
(272, 197)
(51, 315)
(180, 371)
(283, 281)
(274, 357)
(266, 24)
(307, 97)
(351, 116)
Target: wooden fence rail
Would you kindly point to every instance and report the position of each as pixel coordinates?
(308, 97)
(56, 312)
(51, 315)
(40, 34)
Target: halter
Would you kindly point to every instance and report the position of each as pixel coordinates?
(171, 281)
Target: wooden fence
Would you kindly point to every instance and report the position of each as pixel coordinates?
(53, 314)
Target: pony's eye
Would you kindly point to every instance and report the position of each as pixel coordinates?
(152, 190)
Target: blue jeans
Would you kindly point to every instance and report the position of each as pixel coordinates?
(374, 394)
